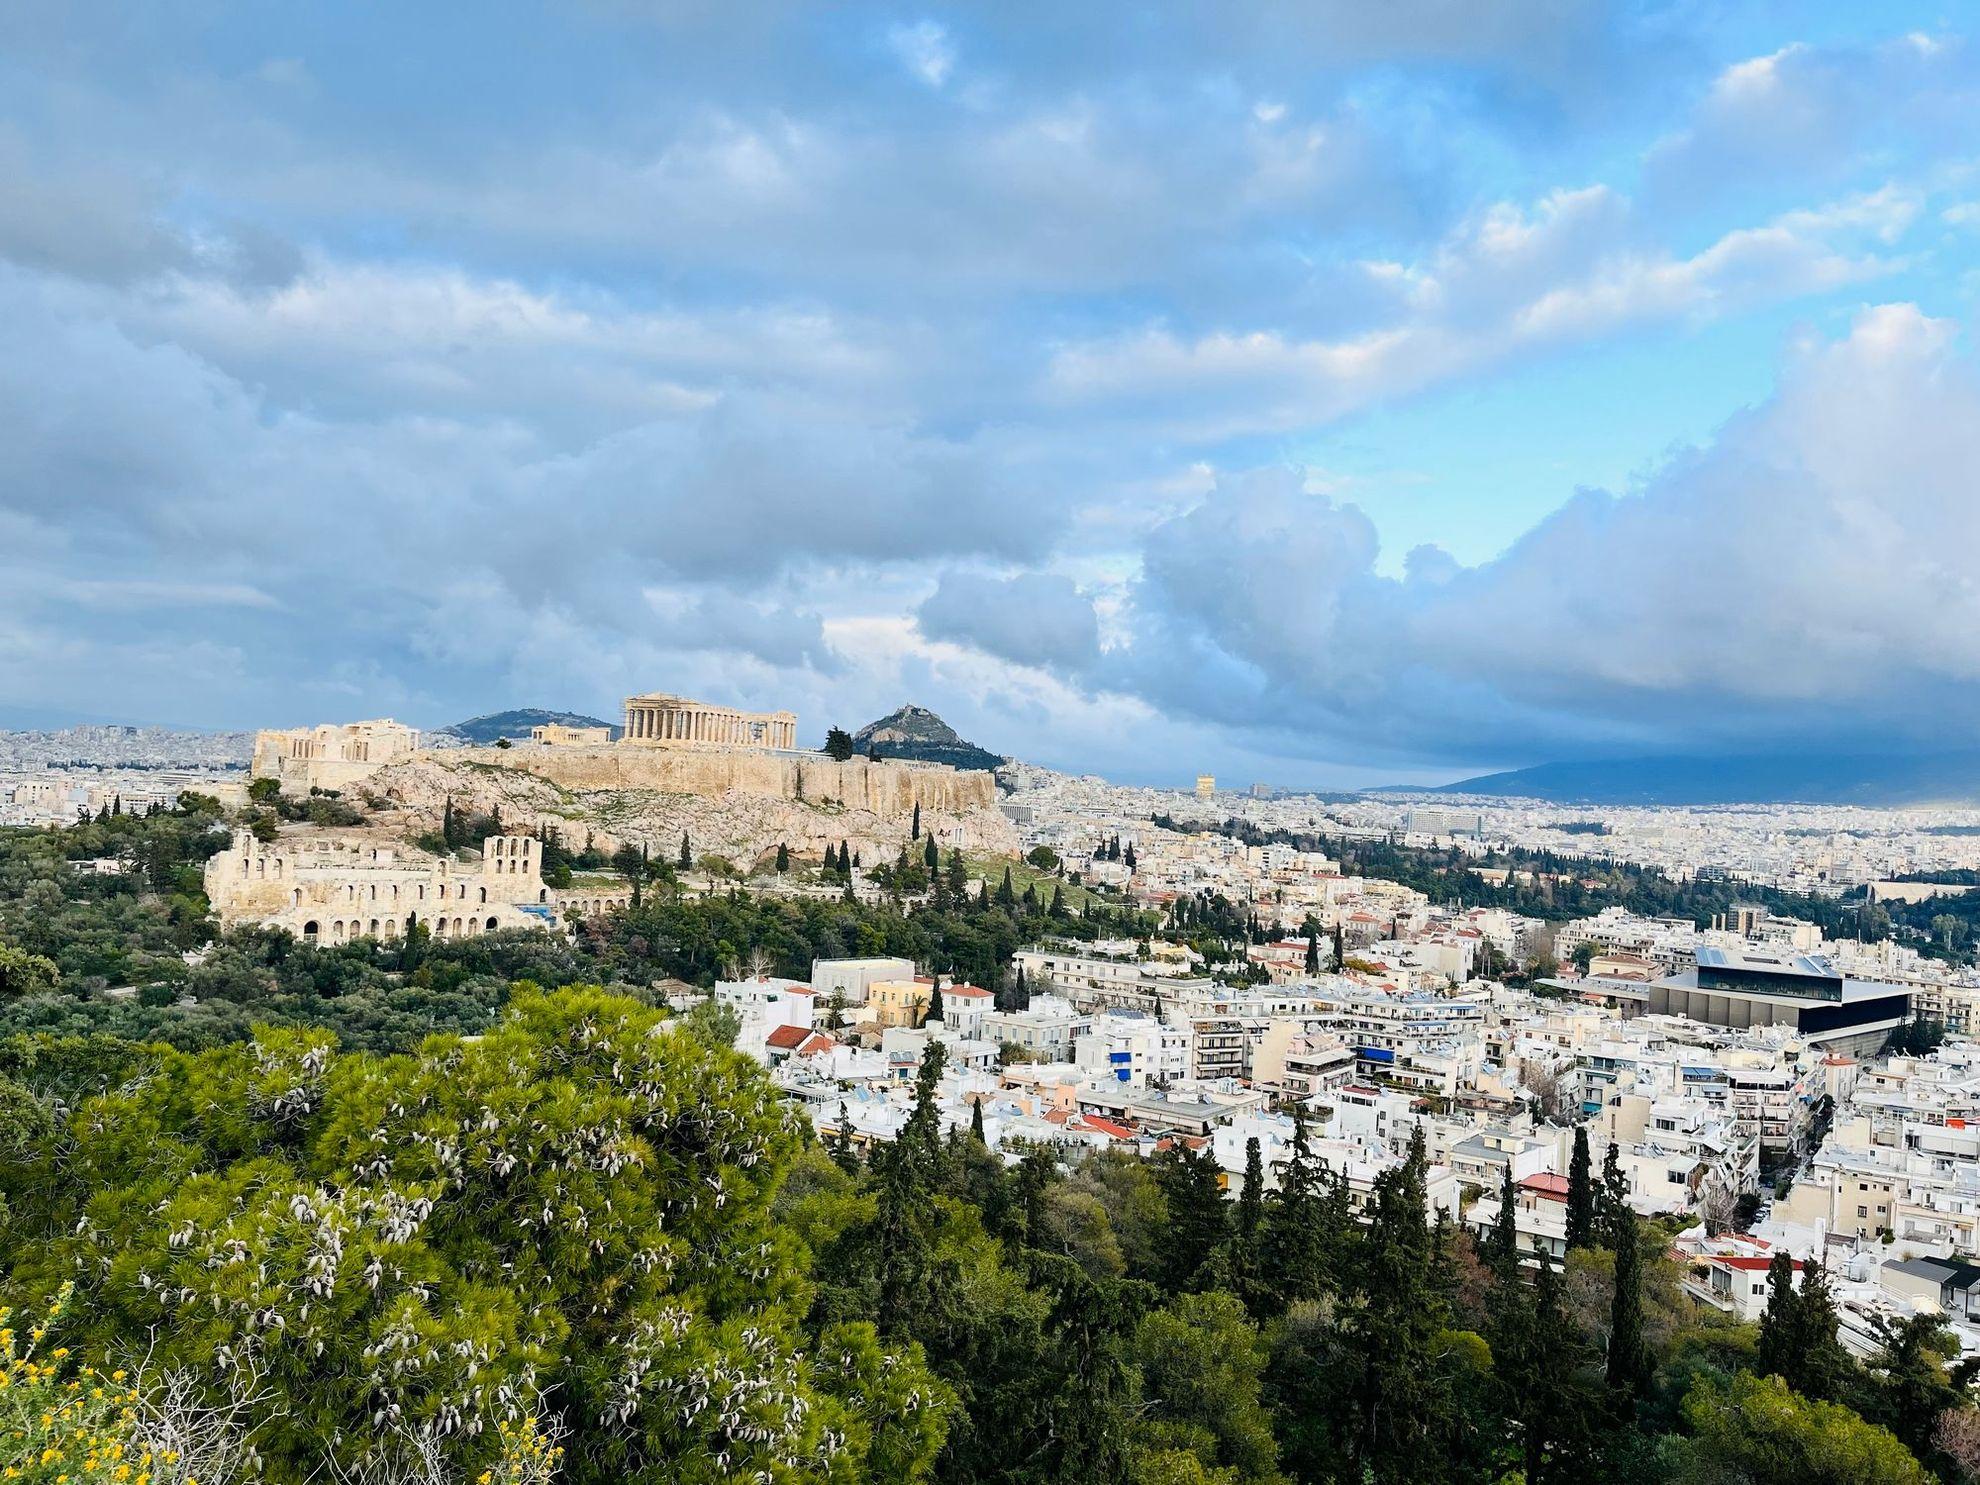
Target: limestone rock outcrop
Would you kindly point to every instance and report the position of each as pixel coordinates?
(738, 804)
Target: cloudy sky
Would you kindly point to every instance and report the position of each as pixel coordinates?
(1314, 392)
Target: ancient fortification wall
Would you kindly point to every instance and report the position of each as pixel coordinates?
(885, 789)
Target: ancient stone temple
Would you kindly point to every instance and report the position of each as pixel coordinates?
(332, 756)
(661, 721)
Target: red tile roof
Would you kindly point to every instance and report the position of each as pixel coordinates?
(1742, 1261)
(1546, 1183)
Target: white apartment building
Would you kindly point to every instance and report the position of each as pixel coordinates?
(1134, 1048)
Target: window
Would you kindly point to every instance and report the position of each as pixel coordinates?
(1863, 1211)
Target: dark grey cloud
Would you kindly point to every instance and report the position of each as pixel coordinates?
(1031, 618)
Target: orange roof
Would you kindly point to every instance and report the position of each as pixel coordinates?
(1105, 1126)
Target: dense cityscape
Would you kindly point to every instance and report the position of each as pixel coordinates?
(1099, 1132)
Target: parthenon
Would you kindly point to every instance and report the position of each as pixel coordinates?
(659, 720)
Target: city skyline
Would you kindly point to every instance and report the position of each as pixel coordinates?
(1316, 397)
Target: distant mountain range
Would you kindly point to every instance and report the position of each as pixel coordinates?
(1862, 779)
(918, 735)
(515, 725)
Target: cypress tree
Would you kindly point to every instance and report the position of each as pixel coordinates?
(1192, 1183)
(1581, 1193)
(1822, 1368)
(958, 876)
(1629, 1355)
(783, 858)
(931, 857)
(1313, 951)
(842, 1151)
(1023, 991)
(934, 1003)
(687, 855)
(1400, 1392)
(1615, 1185)
(1006, 893)
(1552, 1404)
(1058, 907)
(1502, 1242)
(976, 1122)
(1780, 1326)
(914, 832)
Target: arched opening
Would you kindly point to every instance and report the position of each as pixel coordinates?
(484, 894)
(374, 928)
(295, 897)
(542, 894)
(310, 929)
(491, 925)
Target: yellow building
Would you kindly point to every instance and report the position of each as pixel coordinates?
(1206, 785)
(900, 1002)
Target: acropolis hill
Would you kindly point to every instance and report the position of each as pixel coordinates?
(682, 767)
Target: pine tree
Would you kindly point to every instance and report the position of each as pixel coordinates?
(1581, 1194)
(687, 855)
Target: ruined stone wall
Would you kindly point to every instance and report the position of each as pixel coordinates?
(885, 789)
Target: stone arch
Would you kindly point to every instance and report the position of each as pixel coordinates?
(374, 928)
(484, 894)
(491, 925)
(311, 929)
(460, 928)
(542, 894)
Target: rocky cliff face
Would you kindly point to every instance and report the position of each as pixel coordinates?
(740, 805)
